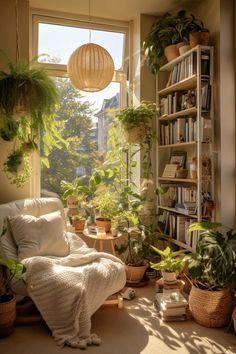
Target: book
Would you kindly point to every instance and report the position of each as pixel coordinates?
(175, 311)
(171, 299)
(169, 318)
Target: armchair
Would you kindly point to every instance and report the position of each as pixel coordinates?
(67, 280)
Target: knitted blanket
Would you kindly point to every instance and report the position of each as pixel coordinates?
(68, 290)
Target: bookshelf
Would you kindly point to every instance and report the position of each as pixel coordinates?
(185, 129)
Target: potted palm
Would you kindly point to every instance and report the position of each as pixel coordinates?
(12, 269)
(212, 269)
(170, 264)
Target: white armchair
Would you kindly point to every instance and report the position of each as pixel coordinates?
(76, 274)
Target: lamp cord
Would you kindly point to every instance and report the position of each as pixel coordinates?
(17, 32)
(90, 21)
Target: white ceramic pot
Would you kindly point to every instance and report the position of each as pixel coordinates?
(169, 277)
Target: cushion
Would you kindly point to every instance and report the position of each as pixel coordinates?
(43, 236)
(8, 247)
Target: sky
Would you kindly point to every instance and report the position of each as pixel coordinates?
(60, 41)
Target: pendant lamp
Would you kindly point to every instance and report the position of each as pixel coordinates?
(90, 67)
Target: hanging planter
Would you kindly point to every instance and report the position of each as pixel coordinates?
(137, 122)
(28, 100)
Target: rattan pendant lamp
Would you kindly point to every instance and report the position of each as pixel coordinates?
(90, 67)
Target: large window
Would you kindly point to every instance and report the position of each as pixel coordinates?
(84, 117)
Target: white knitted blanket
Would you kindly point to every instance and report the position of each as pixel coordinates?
(68, 290)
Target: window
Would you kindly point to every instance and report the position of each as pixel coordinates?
(83, 116)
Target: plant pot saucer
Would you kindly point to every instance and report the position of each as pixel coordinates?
(136, 284)
(171, 281)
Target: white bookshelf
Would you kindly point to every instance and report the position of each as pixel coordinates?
(185, 97)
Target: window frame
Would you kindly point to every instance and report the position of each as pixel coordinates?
(56, 18)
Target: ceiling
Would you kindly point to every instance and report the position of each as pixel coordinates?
(124, 10)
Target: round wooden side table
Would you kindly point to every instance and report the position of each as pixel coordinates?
(100, 241)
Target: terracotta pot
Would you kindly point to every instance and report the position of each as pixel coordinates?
(211, 308)
(102, 222)
(171, 52)
(79, 225)
(7, 316)
(134, 274)
(196, 38)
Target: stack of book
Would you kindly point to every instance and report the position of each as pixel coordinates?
(171, 305)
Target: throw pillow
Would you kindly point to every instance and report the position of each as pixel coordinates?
(43, 236)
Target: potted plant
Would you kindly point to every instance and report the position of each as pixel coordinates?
(198, 34)
(212, 269)
(135, 261)
(167, 34)
(137, 122)
(12, 269)
(171, 263)
(106, 205)
(78, 221)
(28, 100)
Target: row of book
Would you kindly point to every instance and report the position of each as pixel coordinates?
(177, 194)
(177, 227)
(188, 67)
(184, 130)
(171, 305)
(181, 100)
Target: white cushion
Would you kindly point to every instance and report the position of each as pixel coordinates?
(43, 236)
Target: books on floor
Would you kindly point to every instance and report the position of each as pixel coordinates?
(171, 305)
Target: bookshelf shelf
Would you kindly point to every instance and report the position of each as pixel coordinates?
(185, 128)
(178, 243)
(179, 180)
(173, 210)
(188, 143)
(184, 113)
(186, 84)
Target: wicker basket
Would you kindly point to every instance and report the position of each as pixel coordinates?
(7, 317)
(211, 308)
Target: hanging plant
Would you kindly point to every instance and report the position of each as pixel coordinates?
(17, 167)
(28, 101)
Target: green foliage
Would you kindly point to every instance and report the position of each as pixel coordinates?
(213, 265)
(75, 117)
(105, 202)
(28, 100)
(171, 261)
(171, 28)
(132, 116)
(15, 270)
(134, 247)
(17, 167)
(78, 217)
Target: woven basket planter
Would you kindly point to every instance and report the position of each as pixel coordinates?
(7, 317)
(211, 308)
